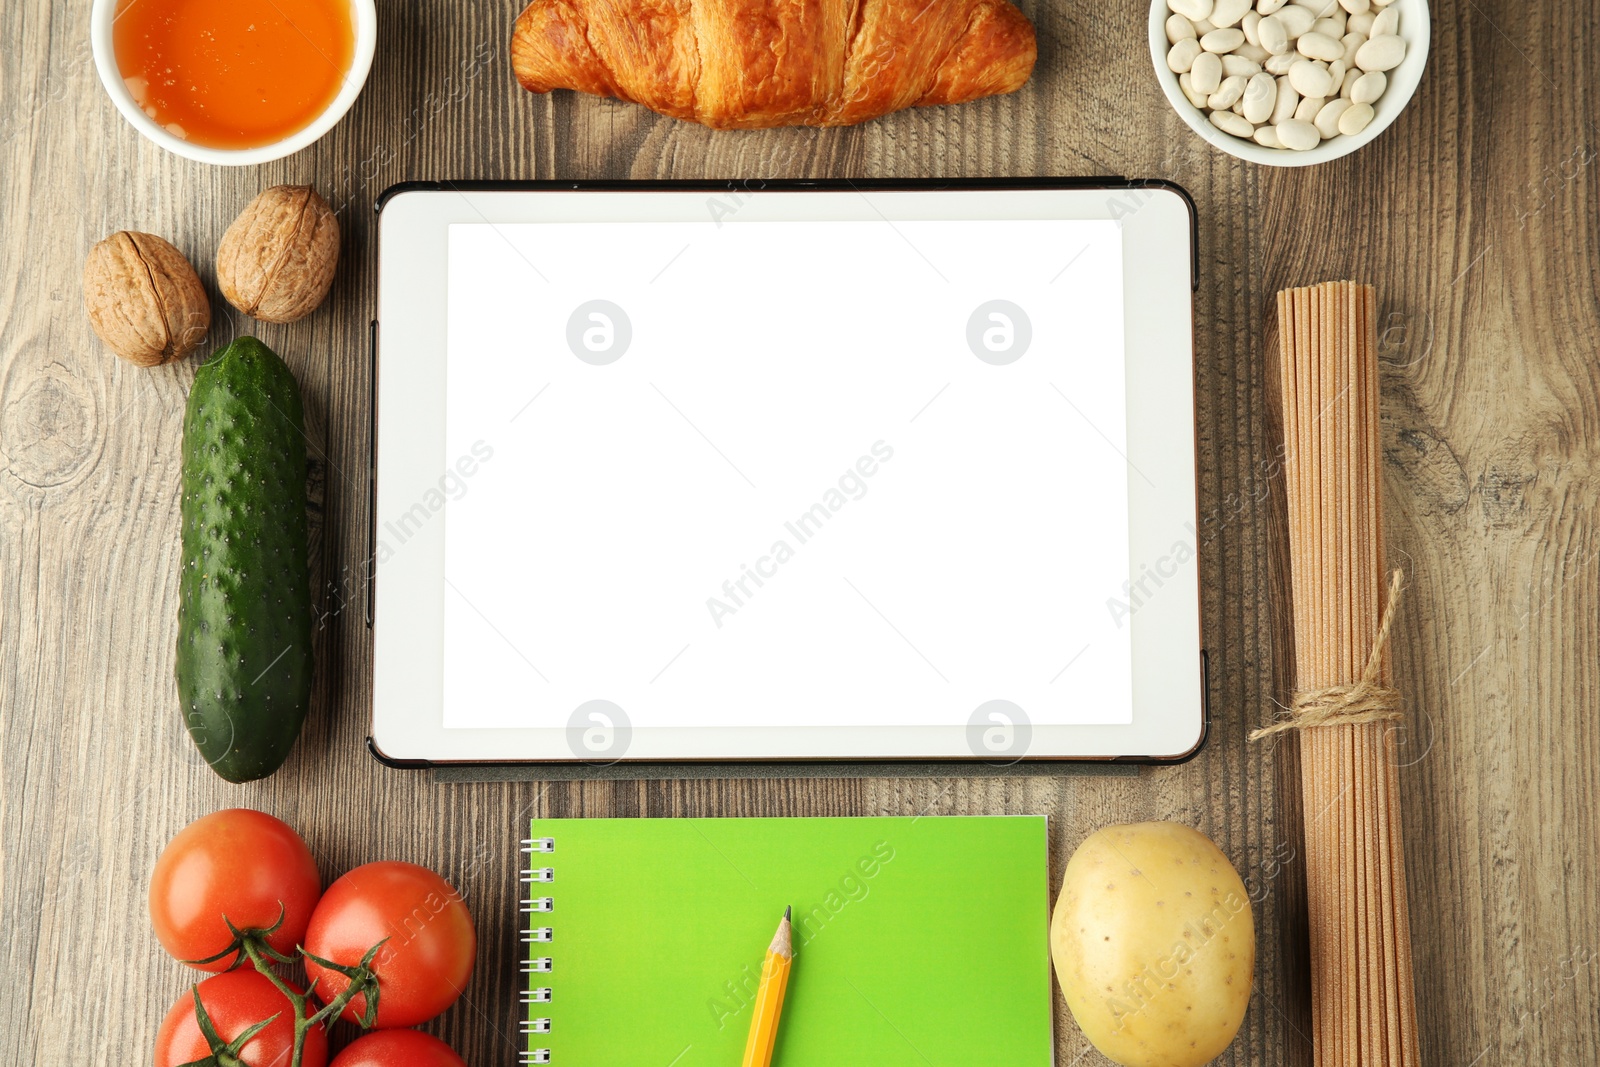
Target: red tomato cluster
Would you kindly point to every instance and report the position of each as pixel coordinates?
(254, 872)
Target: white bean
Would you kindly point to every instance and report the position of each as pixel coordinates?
(1348, 86)
(1285, 103)
(1260, 97)
(1220, 41)
(1248, 24)
(1319, 8)
(1333, 27)
(1267, 7)
(1327, 120)
(1296, 20)
(1253, 52)
(1388, 21)
(1352, 44)
(1336, 72)
(1355, 119)
(1308, 108)
(1186, 83)
(1234, 64)
(1314, 45)
(1274, 35)
(1298, 136)
(1228, 12)
(1182, 55)
(1179, 29)
(1206, 72)
(1309, 78)
(1228, 122)
(1383, 52)
(1191, 9)
(1202, 27)
(1356, 7)
(1280, 64)
(1267, 137)
(1368, 87)
(1361, 23)
(1227, 94)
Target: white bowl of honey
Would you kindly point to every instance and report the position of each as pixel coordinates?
(233, 82)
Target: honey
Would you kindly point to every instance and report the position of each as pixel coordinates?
(234, 73)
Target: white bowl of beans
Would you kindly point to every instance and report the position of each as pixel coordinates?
(1289, 83)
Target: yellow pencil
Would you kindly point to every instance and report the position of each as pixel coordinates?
(769, 997)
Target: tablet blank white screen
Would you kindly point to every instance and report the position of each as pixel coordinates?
(811, 490)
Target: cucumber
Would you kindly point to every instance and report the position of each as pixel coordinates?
(244, 605)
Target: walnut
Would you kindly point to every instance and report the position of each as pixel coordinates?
(144, 299)
(276, 261)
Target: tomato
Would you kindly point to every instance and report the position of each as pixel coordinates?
(424, 965)
(235, 1002)
(239, 863)
(398, 1048)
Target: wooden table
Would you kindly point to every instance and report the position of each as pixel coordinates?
(1476, 216)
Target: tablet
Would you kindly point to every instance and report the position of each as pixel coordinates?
(797, 472)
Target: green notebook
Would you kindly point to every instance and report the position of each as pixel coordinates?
(918, 941)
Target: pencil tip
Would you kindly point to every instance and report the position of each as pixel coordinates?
(783, 940)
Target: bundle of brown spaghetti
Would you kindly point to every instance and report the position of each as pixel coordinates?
(1345, 712)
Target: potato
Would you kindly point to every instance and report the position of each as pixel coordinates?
(1154, 944)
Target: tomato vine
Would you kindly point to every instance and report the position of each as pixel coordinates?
(251, 944)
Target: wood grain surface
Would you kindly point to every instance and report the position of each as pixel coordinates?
(1476, 216)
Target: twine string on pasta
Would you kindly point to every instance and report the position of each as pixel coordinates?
(1367, 700)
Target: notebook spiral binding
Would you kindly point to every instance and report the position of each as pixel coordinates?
(537, 935)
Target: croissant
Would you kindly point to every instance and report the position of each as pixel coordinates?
(753, 64)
